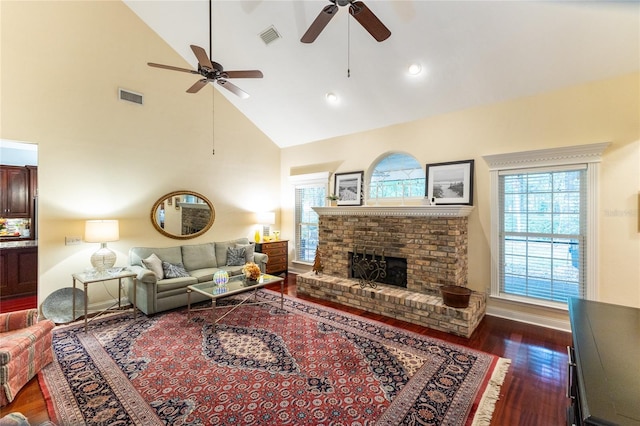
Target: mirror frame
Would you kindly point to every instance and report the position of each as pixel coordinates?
(170, 195)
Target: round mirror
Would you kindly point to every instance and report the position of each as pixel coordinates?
(183, 215)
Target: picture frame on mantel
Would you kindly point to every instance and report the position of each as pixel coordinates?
(348, 188)
(450, 183)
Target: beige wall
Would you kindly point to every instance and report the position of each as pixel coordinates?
(61, 66)
(604, 111)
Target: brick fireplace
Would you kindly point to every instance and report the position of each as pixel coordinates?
(433, 240)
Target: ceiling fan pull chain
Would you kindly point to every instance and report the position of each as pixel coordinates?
(348, 46)
(213, 92)
(213, 122)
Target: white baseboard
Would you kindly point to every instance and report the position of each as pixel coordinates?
(528, 318)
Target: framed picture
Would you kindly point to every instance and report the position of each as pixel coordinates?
(450, 183)
(348, 188)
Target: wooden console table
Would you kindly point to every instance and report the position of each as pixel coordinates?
(604, 364)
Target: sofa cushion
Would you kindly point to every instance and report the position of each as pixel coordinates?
(175, 284)
(249, 250)
(232, 270)
(222, 246)
(168, 254)
(199, 256)
(221, 252)
(205, 274)
(235, 256)
(173, 271)
(154, 264)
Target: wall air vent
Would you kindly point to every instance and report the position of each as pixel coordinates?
(270, 35)
(129, 96)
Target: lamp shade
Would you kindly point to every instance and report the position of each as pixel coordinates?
(266, 218)
(101, 231)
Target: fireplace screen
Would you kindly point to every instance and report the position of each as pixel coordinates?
(396, 270)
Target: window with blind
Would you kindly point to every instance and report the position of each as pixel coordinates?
(542, 234)
(544, 206)
(310, 191)
(307, 221)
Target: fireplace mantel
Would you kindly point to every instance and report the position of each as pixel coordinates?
(434, 211)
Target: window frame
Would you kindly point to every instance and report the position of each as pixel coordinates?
(298, 182)
(591, 156)
(370, 185)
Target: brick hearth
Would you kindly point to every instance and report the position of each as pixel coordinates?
(433, 239)
(395, 302)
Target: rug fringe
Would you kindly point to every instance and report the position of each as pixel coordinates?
(492, 394)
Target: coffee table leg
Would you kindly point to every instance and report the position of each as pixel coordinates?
(282, 294)
(213, 314)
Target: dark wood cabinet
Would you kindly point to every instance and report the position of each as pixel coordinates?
(18, 271)
(604, 364)
(15, 193)
(278, 252)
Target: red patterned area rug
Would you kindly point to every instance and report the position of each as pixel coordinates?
(305, 364)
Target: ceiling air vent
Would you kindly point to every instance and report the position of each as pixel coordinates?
(126, 95)
(270, 35)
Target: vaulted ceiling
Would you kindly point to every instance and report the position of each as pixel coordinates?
(471, 53)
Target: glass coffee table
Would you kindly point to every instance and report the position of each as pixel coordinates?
(237, 284)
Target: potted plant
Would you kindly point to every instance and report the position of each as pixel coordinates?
(333, 200)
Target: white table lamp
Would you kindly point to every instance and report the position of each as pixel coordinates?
(102, 231)
(265, 219)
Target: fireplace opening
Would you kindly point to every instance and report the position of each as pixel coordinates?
(396, 270)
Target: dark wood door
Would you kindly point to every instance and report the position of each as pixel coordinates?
(15, 201)
(18, 271)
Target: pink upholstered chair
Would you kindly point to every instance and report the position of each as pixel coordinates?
(25, 347)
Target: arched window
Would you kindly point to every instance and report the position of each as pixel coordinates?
(397, 175)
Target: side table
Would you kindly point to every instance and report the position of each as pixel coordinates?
(87, 279)
(278, 252)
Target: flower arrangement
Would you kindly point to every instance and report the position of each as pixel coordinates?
(251, 271)
(3, 224)
(333, 197)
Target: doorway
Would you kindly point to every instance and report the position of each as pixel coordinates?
(18, 225)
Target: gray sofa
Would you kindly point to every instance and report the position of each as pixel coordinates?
(200, 261)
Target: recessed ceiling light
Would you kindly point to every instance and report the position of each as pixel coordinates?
(415, 69)
(331, 97)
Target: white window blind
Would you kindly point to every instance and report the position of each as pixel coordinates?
(544, 227)
(310, 191)
(543, 233)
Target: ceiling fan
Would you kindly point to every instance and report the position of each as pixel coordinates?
(212, 71)
(358, 10)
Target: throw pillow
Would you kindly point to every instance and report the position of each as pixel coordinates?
(174, 271)
(154, 264)
(235, 256)
(249, 249)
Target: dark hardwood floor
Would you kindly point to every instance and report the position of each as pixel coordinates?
(533, 392)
